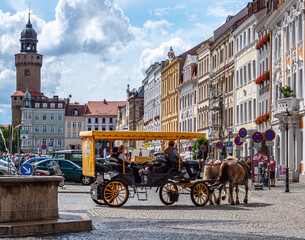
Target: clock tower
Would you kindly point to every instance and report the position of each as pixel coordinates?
(28, 64)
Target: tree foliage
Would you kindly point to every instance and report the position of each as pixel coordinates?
(199, 142)
(5, 131)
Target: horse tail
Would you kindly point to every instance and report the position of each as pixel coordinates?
(223, 173)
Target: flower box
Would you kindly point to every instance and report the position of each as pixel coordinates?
(261, 119)
(262, 78)
(265, 39)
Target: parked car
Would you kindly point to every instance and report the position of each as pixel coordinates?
(75, 156)
(72, 172)
(7, 168)
(35, 160)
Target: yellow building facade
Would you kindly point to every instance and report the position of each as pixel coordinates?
(169, 94)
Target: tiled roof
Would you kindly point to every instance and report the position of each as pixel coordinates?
(103, 108)
(224, 27)
(71, 106)
(33, 94)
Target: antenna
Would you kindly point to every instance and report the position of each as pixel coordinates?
(29, 10)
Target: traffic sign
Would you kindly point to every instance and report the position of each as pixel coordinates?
(219, 150)
(230, 149)
(26, 169)
(219, 145)
(152, 150)
(237, 141)
(190, 148)
(258, 145)
(44, 147)
(238, 147)
(229, 144)
(203, 148)
(269, 135)
(242, 132)
(269, 143)
(243, 140)
(196, 150)
(257, 137)
(50, 144)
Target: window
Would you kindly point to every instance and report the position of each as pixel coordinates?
(110, 120)
(294, 87)
(52, 105)
(60, 105)
(96, 128)
(279, 46)
(249, 72)
(89, 128)
(241, 42)
(237, 49)
(69, 135)
(74, 135)
(245, 75)
(89, 120)
(254, 108)
(74, 112)
(36, 129)
(241, 114)
(74, 124)
(245, 112)
(59, 129)
(44, 116)
(37, 105)
(267, 106)
(44, 129)
(250, 111)
(254, 69)
(293, 34)
(44, 141)
(300, 83)
(104, 120)
(36, 142)
(52, 129)
(249, 35)
(36, 116)
(59, 117)
(96, 120)
(241, 77)
(51, 142)
(44, 105)
(69, 124)
(59, 142)
(104, 129)
(300, 31)
(79, 124)
(52, 117)
(245, 39)
(287, 39)
(26, 72)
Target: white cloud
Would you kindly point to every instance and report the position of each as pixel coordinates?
(218, 11)
(150, 56)
(160, 12)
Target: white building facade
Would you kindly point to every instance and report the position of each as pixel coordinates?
(152, 101)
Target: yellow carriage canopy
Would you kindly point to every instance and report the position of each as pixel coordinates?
(89, 139)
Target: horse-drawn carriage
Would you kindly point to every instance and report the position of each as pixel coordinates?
(127, 180)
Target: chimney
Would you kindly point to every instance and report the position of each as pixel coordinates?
(105, 102)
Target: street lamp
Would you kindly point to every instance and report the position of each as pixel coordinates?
(285, 118)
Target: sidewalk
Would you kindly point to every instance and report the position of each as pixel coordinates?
(74, 188)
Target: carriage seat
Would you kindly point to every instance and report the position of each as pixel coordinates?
(116, 164)
(101, 168)
(163, 168)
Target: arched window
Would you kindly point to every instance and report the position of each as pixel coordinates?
(74, 112)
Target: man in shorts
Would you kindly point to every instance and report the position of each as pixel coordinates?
(272, 171)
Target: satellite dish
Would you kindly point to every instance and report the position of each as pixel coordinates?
(70, 95)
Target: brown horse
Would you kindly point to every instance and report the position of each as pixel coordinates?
(211, 171)
(236, 173)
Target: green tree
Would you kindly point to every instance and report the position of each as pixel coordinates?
(5, 131)
(198, 143)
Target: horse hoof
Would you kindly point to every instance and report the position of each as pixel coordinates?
(217, 202)
(245, 201)
(211, 203)
(232, 203)
(223, 197)
(237, 203)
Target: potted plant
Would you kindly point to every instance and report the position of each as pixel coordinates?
(288, 100)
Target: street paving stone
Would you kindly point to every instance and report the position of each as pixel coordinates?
(270, 214)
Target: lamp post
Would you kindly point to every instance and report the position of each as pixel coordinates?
(285, 118)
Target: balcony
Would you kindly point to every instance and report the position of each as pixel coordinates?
(291, 104)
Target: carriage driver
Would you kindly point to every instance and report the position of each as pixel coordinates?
(172, 152)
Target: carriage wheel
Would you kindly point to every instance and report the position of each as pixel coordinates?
(99, 202)
(115, 193)
(165, 190)
(200, 194)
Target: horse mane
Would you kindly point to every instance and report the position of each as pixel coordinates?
(223, 173)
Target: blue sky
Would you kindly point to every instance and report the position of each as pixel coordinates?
(93, 48)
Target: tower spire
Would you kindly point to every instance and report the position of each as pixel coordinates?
(29, 18)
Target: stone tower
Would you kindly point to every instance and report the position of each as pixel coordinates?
(28, 64)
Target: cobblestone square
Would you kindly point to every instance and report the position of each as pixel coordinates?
(270, 214)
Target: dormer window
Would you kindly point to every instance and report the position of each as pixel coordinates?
(52, 105)
(26, 72)
(74, 112)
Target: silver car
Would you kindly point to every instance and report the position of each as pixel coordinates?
(7, 168)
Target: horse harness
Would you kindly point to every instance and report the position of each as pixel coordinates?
(244, 166)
